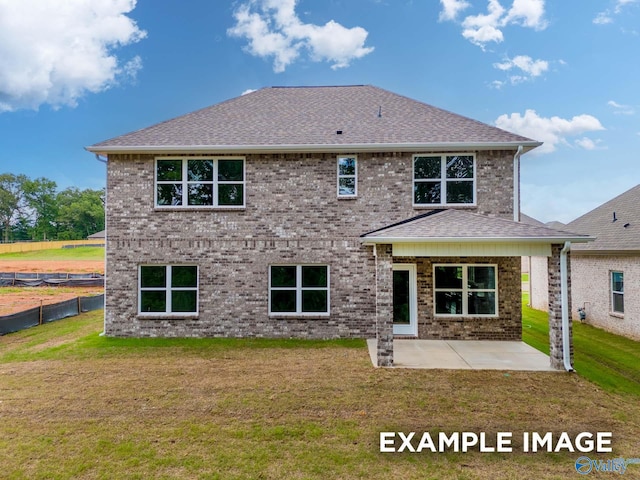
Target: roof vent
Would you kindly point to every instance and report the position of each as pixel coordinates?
(615, 219)
(338, 132)
(380, 111)
(626, 225)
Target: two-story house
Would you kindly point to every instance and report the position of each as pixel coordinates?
(321, 212)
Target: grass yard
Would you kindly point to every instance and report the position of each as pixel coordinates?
(77, 405)
(78, 253)
(611, 361)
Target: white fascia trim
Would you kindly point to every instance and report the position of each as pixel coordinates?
(545, 240)
(337, 148)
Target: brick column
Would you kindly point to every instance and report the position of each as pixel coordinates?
(384, 305)
(555, 309)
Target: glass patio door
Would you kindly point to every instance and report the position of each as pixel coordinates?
(405, 305)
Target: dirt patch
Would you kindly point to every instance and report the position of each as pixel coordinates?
(52, 266)
(19, 299)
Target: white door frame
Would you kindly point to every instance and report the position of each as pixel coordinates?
(412, 328)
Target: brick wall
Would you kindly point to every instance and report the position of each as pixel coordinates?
(293, 216)
(591, 290)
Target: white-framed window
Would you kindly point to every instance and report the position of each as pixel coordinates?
(168, 289)
(299, 290)
(617, 292)
(465, 290)
(347, 177)
(199, 182)
(448, 179)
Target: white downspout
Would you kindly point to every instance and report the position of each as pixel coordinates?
(105, 161)
(564, 292)
(516, 184)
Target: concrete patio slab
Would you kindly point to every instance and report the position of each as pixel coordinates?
(465, 354)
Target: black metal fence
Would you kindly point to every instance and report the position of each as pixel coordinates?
(18, 279)
(49, 313)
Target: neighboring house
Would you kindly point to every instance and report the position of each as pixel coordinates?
(537, 268)
(606, 273)
(321, 212)
(97, 236)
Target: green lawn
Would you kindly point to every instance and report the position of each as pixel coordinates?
(79, 253)
(610, 361)
(74, 404)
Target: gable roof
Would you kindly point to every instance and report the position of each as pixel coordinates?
(309, 119)
(615, 224)
(463, 226)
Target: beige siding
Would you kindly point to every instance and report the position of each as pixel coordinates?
(591, 291)
(469, 249)
(539, 283)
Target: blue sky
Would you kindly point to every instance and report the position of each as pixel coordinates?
(563, 72)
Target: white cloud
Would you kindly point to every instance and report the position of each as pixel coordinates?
(451, 8)
(524, 63)
(552, 131)
(587, 143)
(482, 29)
(529, 13)
(273, 29)
(56, 52)
(605, 17)
(621, 109)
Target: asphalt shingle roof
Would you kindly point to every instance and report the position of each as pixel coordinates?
(445, 225)
(619, 235)
(311, 117)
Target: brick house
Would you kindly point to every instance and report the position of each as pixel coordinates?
(321, 212)
(606, 273)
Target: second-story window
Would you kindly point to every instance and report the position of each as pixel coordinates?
(444, 179)
(347, 177)
(199, 182)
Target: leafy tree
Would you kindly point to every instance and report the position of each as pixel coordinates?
(40, 197)
(11, 202)
(80, 213)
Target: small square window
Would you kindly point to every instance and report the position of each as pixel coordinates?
(299, 289)
(168, 289)
(444, 180)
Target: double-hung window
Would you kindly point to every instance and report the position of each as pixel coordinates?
(465, 290)
(444, 179)
(347, 177)
(197, 182)
(299, 290)
(617, 292)
(168, 289)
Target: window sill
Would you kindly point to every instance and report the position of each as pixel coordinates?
(350, 197)
(306, 316)
(199, 209)
(616, 314)
(436, 206)
(167, 316)
(466, 317)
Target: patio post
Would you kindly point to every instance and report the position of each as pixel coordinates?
(384, 305)
(555, 309)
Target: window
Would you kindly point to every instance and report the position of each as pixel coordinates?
(617, 292)
(168, 289)
(199, 182)
(465, 290)
(444, 180)
(347, 177)
(299, 290)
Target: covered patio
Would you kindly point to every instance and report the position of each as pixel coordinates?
(468, 308)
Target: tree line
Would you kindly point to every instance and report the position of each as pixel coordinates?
(34, 209)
